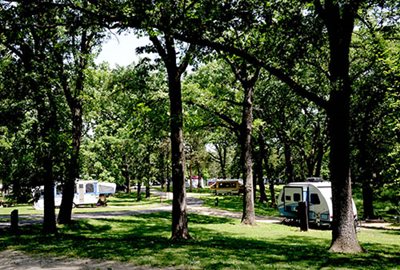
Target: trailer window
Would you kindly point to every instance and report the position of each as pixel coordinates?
(59, 189)
(315, 198)
(296, 197)
(89, 188)
(288, 198)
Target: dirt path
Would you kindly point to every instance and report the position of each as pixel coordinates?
(16, 260)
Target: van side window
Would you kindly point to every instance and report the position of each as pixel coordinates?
(315, 198)
(89, 188)
(296, 197)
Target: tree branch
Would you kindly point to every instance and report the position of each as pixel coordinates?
(278, 73)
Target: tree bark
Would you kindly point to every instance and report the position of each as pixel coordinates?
(139, 191)
(47, 117)
(368, 199)
(75, 104)
(340, 22)
(289, 170)
(179, 212)
(344, 237)
(168, 54)
(261, 157)
(243, 74)
(147, 190)
(65, 214)
(248, 216)
(49, 217)
(222, 151)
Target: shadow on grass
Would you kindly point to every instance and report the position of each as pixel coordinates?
(144, 240)
(392, 232)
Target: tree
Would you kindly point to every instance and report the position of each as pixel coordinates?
(337, 19)
(73, 58)
(29, 46)
(372, 137)
(246, 76)
(127, 116)
(175, 70)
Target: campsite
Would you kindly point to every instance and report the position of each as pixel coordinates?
(198, 134)
(128, 234)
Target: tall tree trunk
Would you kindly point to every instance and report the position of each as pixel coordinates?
(126, 173)
(48, 123)
(169, 56)
(261, 155)
(179, 212)
(64, 216)
(364, 163)
(139, 191)
(222, 151)
(320, 156)
(248, 216)
(289, 170)
(168, 184)
(368, 199)
(271, 180)
(75, 105)
(272, 191)
(147, 190)
(243, 75)
(339, 21)
(49, 218)
(344, 237)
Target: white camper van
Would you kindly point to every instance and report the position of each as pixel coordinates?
(87, 192)
(318, 197)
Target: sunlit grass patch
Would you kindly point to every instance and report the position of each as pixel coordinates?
(234, 203)
(217, 243)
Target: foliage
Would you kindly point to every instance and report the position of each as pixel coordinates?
(124, 123)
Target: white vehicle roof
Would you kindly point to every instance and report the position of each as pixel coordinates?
(306, 184)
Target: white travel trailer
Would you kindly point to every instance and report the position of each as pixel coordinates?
(318, 198)
(87, 192)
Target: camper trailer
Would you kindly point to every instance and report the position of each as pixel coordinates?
(222, 186)
(87, 192)
(318, 198)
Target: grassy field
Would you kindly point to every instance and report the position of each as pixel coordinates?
(235, 204)
(120, 202)
(218, 243)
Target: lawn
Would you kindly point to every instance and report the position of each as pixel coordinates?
(118, 202)
(234, 203)
(218, 243)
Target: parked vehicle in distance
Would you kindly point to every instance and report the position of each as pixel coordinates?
(228, 187)
(318, 198)
(87, 192)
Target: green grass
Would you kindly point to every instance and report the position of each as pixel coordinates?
(218, 243)
(119, 202)
(234, 203)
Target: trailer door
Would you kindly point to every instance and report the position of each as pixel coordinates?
(81, 191)
(292, 197)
